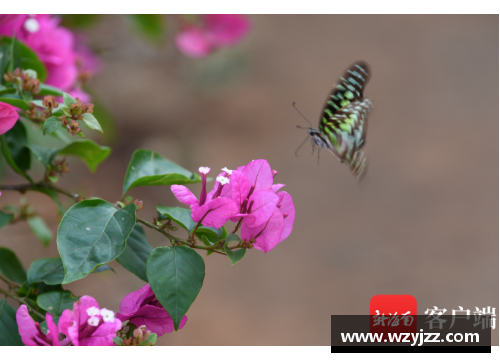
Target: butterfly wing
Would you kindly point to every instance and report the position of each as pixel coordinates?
(349, 88)
(346, 131)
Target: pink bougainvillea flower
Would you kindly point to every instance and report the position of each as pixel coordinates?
(142, 308)
(211, 210)
(63, 56)
(31, 333)
(8, 117)
(215, 31)
(87, 325)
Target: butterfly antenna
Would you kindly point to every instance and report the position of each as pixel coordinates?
(319, 149)
(302, 144)
(293, 104)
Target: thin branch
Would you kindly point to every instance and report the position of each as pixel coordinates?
(9, 282)
(21, 300)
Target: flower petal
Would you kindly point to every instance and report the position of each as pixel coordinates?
(276, 187)
(53, 331)
(133, 301)
(287, 206)
(8, 117)
(156, 319)
(215, 212)
(226, 189)
(183, 194)
(259, 174)
(239, 187)
(103, 335)
(268, 234)
(193, 42)
(264, 204)
(26, 326)
(226, 29)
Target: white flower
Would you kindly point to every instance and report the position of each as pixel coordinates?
(223, 180)
(93, 311)
(93, 321)
(229, 172)
(204, 170)
(107, 315)
(31, 25)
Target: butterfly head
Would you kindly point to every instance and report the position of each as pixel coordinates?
(317, 137)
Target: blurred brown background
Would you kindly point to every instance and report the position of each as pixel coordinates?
(424, 222)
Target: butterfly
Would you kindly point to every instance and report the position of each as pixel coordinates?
(343, 122)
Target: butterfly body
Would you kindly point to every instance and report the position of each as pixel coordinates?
(343, 122)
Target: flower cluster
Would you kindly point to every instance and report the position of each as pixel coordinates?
(85, 325)
(67, 63)
(213, 32)
(247, 196)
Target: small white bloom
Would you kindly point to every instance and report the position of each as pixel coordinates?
(93, 311)
(93, 321)
(225, 169)
(31, 25)
(107, 315)
(223, 180)
(204, 170)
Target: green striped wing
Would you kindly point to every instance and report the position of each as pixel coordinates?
(344, 118)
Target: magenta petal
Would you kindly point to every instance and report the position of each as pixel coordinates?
(226, 29)
(67, 321)
(26, 326)
(193, 42)
(259, 174)
(53, 331)
(264, 203)
(133, 301)
(156, 319)
(276, 187)
(268, 234)
(80, 308)
(103, 335)
(226, 189)
(8, 117)
(215, 212)
(239, 187)
(287, 206)
(183, 194)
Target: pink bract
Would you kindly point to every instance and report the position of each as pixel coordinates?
(31, 333)
(8, 117)
(142, 308)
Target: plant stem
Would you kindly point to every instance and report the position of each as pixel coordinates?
(8, 282)
(20, 300)
(237, 226)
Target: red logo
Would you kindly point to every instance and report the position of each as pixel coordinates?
(393, 314)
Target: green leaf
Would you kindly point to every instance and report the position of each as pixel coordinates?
(51, 271)
(10, 161)
(47, 270)
(148, 168)
(4, 59)
(236, 255)
(28, 59)
(176, 276)
(91, 122)
(118, 341)
(212, 234)
(68, 100)
(40, 229)
(43, 154)
(5, 219)
(90, 152)
(11, 267)
(151, 26)
(136, 253)
(5, 90)
(16, 139)
(181, 216)
(53, 195)
(9, 334)
(232, 237)
(92, 233)
(57, 301)
(50, 125)
(150, 341)
(48, 90)
(16, 102)
(15, 60)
